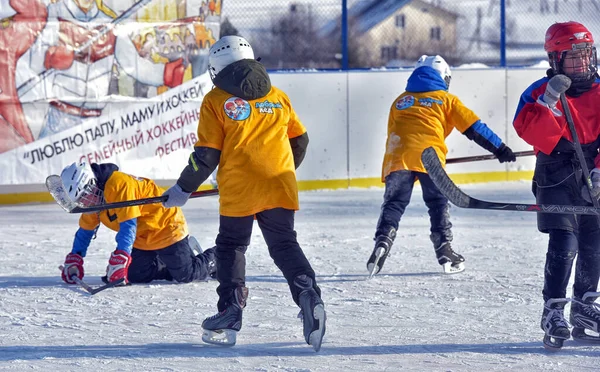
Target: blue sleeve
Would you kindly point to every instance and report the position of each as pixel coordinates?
(126, 235)
(82, 241)
(487, 133)
(482, 135)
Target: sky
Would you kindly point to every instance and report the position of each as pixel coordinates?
(411, 317)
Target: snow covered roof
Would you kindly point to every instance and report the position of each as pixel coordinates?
(370, 13)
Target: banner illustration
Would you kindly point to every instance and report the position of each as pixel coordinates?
(79, 73)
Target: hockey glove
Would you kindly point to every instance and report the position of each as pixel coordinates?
(505, 154)
(73, 267)
(595, 177)
(118, 265)
(556, 86)
(177, 197)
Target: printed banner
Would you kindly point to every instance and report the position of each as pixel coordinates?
(103, 81)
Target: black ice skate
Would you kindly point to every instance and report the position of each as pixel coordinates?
(195, 245)
(211, 262)
(451, 261)
(312, 312)
(383, 244)
(221, 329)
(554, 324)
(585, 318)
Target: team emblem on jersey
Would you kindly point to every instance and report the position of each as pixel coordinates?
(267, 107)
(237, 108)
(428, 102)
(405, 102)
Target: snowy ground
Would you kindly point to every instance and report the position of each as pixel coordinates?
(410, 318)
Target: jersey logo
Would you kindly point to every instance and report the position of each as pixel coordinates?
(237, 108)
(428, 102)
(405, 102)
(111, 217)
(267, 107)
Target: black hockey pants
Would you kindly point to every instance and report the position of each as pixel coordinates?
(175, 262)
(398, 191)
(563, 247)
(277, 226)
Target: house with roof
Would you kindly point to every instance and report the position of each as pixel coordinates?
(396, 32)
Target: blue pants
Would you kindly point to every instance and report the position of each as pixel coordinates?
(277, 226)
(398, 191)
(175, 262)
(563, 247)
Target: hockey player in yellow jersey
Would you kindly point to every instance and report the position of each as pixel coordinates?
(423, 116)
(152, 241)
(250, 130)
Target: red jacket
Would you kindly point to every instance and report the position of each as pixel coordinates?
(539, 127)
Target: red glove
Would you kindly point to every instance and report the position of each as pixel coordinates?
(73, 266)
(59, 57)
(118, 265)
(174, 71)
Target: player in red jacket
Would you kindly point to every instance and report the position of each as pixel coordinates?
(558, 179)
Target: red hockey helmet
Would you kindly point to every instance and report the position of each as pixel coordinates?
(571, 51)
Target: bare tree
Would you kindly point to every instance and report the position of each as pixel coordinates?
(294, 42)
(227, 28)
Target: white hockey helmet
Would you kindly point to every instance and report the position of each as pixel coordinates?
(438, 64)
(227, 50)
(80, 182)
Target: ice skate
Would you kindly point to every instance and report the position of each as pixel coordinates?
(383, 244)
(312, 312)
(554, 324)
(211, 262)
(195, 245)
(222, 328)
(585, 318)
(451, 261)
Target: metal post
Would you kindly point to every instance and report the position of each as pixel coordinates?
(503, 33)
(344, 34)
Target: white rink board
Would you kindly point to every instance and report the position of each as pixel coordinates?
(346, 117)
(493, 94)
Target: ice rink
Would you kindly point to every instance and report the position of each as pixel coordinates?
(411, 317)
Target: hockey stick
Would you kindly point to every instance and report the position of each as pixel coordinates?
(89, 288)
(29, 84)
(579, 151)
(486, 157)
(459, 198)
(57, 190)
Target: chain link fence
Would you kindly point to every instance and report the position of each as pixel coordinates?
(306, 34)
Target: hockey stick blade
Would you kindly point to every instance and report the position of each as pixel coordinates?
(443, 182)
(56, 188)
(107, 286)
(88, 288)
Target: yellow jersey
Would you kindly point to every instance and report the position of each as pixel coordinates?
(157, 227)
(256, 169)
(418, 120)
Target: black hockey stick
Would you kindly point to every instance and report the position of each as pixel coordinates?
(89, 288)
(579, 151)
(56, 188)
(459, 198)
(467, 159)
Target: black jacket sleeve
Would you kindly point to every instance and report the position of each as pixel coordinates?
(480, 139)
(202, 162)
(299, 145)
